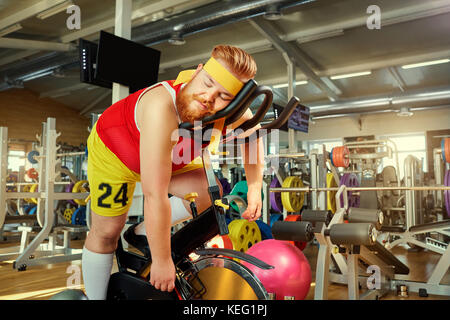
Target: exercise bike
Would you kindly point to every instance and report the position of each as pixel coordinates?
(215, 274)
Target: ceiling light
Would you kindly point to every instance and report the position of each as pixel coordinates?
(285, 85)
(351, 75)
(272, 13)
(426, 63)
(10, 29)
(58, 73)
(404, 112)
(320, 36)
(176, 39)
(54, 10)
(18, 84)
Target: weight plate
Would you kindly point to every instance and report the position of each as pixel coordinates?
(226, 187)
(34, 188)
(275, 197)
(79, 216)
(265, 229)
(275, 217)
(243, 234)
(79, 187)
(31, 155)
(12, 178)
(447, 192)
(331, 157)
(340, 156)
(238, 206)
(219, 241)
(447, 150)
(26, 188)
(292, 201)
(69, 188)
(33, 210)
(32, 174)
(331, 195)
(27, 208)
(68, 214)
(349, 180)
(240, 189)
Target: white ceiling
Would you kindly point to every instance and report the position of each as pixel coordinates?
(330, 37)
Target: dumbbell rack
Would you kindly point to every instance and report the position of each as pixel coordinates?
(37, 252)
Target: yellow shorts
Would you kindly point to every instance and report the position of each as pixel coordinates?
(111, 183)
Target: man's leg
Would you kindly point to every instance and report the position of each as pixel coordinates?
(180, 185)
(98, 253)
(193, 181)
(111, 186)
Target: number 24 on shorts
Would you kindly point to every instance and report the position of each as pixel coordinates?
(120, 196)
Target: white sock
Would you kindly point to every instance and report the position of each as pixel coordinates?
(179, 214)
(96, 269)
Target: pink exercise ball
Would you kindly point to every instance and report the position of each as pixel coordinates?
(291, 276)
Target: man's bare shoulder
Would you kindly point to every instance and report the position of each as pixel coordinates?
(157, 103)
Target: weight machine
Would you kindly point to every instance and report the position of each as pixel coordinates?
(355, 237)
(365, 163)
(416, 233)
(37, 252)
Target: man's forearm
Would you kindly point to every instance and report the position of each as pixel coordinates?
(157, 221)
(253, 159)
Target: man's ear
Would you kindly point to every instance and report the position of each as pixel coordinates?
(199, 67)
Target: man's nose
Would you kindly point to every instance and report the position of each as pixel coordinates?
(211, 95)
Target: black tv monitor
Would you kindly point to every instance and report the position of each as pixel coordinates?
(126, 62)
(299, 119)
(88, 63)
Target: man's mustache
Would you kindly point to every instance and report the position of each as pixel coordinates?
(203, 101)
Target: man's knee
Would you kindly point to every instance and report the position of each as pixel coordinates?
(107, 229)
(106, 234)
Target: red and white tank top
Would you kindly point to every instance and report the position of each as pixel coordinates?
(118, 129)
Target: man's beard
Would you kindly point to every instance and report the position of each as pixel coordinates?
(187, 110)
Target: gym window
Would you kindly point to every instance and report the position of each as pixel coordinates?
(412, 144)
(16, 159)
